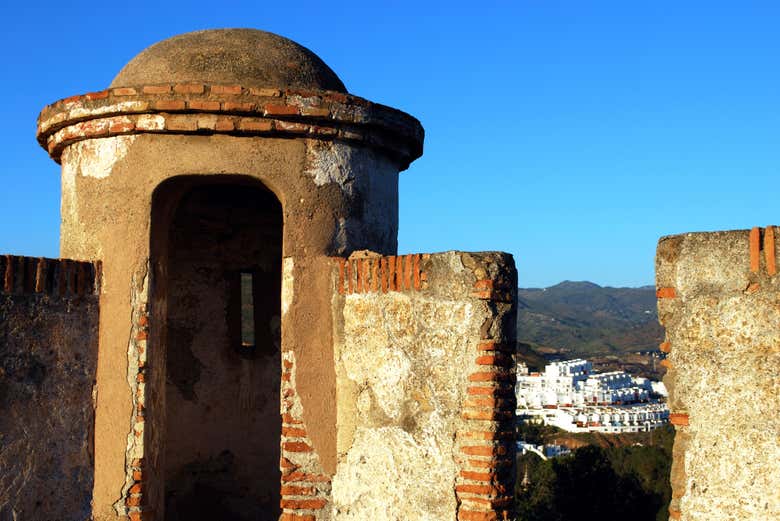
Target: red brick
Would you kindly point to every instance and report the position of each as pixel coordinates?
(124, 91)
(293, 432)
(356, 266)
(496, 359)
(477, 476)
(477, 435)
(292, 490)
(169, 104)
(226, 89)
(473, 515)
(665, 347)
(674, 514)
(182, 123)
(486, 490)
(323, 131)
(348, 275)
(337, 97)
(416, 268)
(103, 94)
(755, 247)
(493, 390)
(224, 125)
(297, 517)
(258, 125)
(342, 268)
(665, 293)
(287, 418)
(383, 273)
(489, 464)
(157, 89)
(483, 284)
(498, 502)
(290, 126)
(317, 112)
(489, 376)
(303, 504)
(133, 501)
(483, 414)
(482, 401)
(268, 93)
(492, 345)
(408, 272)
(203, 105)
(119, 126)
(391, 273)
(678, 419)
(306, 478)
(234, 106)
(189, 88)
(484, 450)
(399, 273)
(276, 109)
(666, 363)
(769, 251)
(296, 446)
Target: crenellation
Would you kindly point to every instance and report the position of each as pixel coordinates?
(716, 331)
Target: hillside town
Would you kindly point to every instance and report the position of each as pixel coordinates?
(570, 396)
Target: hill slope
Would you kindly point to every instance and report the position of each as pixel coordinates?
(584, 318)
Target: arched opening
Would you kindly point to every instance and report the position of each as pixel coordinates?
(216, 290)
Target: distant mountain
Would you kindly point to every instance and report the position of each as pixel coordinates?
(583, 318)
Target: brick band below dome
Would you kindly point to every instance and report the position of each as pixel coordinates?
(228, 109)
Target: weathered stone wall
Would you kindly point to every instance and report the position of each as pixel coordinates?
(48, 355)
(719, 299)
(425, 376)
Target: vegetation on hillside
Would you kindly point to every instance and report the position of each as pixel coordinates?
(620, 482)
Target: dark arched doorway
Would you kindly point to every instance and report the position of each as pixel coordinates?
(217, 249)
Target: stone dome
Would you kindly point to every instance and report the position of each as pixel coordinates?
(246, 57)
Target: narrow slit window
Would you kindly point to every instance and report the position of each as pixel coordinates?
(247, 310)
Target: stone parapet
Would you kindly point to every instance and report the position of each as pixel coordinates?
(54, 277)
(48, 357)
(719, 300)
(424, 348)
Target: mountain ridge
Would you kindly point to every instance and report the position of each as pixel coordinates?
(582, 318)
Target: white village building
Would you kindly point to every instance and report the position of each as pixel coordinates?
(570, 396)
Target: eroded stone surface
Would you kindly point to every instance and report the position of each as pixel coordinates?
(403, 359)
(723, 329)
(48, 351)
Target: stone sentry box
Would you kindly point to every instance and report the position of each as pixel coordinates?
(219, 180)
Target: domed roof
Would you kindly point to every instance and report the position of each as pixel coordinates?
(246, 57)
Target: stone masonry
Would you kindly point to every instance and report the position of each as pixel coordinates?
(719, 300)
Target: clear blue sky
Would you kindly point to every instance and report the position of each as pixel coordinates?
(571, 134)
